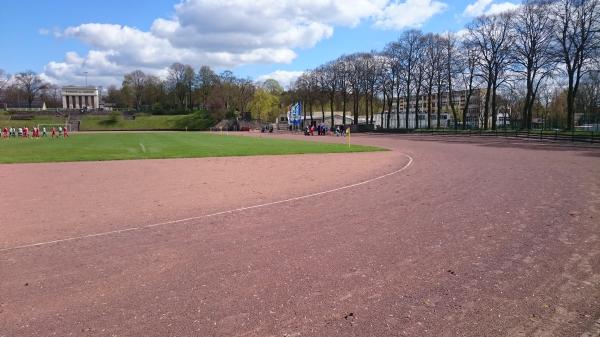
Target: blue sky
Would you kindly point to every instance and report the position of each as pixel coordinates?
(63, 39)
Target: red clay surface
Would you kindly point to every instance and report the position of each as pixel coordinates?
(475, 238)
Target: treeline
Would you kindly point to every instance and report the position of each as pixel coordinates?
(183, 91)
(223, 95)
(24, 88)
(539, 60)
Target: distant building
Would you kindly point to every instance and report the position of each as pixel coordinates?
(80, 98)
(475, 112)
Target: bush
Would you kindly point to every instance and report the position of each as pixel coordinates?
(112, 119)
(198, 120)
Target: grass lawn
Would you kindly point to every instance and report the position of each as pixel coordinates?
(35, 121)
(153, 145)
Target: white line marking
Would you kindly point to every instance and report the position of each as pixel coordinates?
(173, 222)
(143, 147)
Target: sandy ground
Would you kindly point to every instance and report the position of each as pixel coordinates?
(475, 238)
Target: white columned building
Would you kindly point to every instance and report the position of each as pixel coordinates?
(80, 97)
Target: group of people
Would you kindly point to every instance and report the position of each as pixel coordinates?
(34, 132)
(323, 129)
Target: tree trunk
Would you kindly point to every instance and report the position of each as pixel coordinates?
(429, 103)
(494, 112)
(344, 109)
(382, 110)
(331, 98)
(486, 108)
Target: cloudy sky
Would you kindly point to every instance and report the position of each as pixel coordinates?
(64, 39)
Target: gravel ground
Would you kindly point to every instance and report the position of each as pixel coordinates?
(475, 238)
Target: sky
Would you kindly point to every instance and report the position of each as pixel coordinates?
(68, 42)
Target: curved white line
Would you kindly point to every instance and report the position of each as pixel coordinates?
(130, 229)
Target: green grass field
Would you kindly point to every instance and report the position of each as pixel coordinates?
(154, 145)
(35, 121)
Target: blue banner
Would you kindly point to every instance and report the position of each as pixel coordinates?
(295, 114)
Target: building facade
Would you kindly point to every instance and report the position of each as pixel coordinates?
(475, 112)
(80, 98)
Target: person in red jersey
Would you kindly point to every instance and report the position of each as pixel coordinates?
(53, 132)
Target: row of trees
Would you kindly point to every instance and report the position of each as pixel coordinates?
(184, 89)
(545, 48)
(22, 89)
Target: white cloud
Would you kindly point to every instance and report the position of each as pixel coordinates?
(477, 8)
(226, 34)
(501, 7)
(412, 13)
(284, 77)
(488, 7)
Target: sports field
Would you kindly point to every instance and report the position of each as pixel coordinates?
(156, 145)
(436, 237)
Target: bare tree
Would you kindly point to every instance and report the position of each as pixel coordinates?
(177, 82)
(491, 36)
(207, 81)
(452, 69)
(329, 82)
(343, 70)
(31, 85)
(420, 74)
(432, 60)
(392, 54)
(409, 50)
(440, 78)
(532, 54)
(355, 79)
(577, 34)
(468, 77)
(245, 92)
(387, 83)
(4, 80)
(136, 82)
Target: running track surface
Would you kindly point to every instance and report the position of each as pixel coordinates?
(474, 238)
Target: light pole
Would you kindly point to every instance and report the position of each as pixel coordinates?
(86, 73)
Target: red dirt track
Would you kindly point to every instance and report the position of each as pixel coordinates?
(477, 237)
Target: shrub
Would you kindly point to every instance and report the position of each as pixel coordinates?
(198, 120)
(112, 119)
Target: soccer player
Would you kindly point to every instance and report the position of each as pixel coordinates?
(5, 132)
(44, 133)
(26, 132)
(65, 132)
(53, 132)
(20, 132)
(60, 129)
